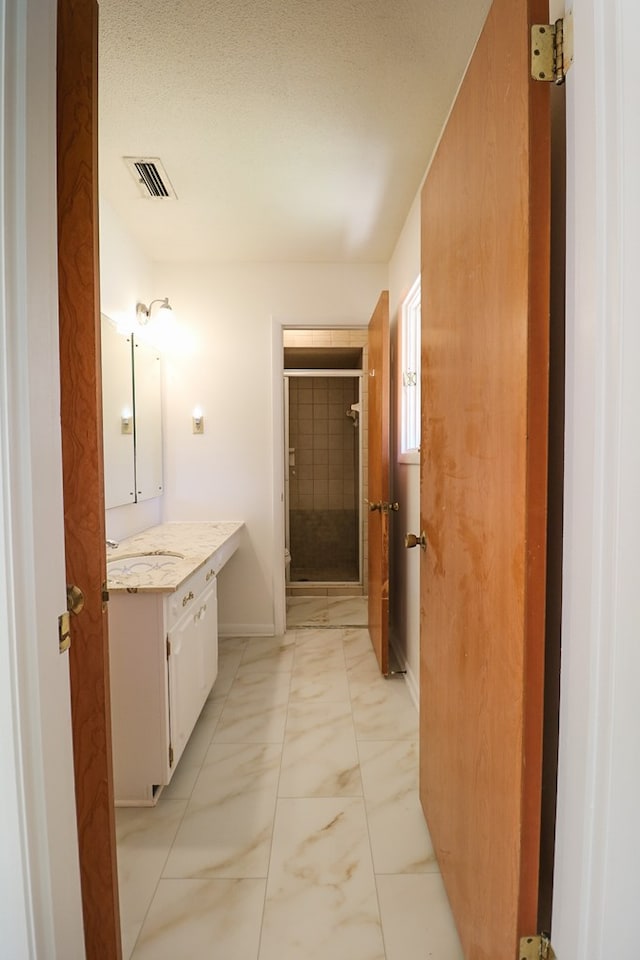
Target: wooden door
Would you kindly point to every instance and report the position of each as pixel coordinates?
(378, 480)
(83, 473)
(485, 306)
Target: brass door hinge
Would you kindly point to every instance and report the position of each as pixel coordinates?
(552, 50)
(64, 632)
(75, 605)
(536, 948)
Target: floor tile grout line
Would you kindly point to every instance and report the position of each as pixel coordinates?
(275, 805)
(179, 823)
(366, 812)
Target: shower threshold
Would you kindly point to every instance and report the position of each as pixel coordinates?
(325, 588)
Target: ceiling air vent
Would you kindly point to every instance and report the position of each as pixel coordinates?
(151, 177)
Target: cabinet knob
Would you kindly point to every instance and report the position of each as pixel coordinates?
(187, 598)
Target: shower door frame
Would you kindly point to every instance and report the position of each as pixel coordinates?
(346, 375)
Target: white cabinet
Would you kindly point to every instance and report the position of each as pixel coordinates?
(193, 665)
(163, 659)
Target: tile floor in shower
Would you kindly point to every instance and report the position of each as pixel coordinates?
(292, 827)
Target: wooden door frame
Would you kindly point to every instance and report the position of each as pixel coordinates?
(83, 468)
(41, 909)
(379, 518)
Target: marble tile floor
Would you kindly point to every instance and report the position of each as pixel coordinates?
(292, 828)
(326, 611)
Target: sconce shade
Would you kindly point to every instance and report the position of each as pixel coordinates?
(197, 420)
(143, 313)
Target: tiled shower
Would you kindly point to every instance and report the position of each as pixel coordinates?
(324, 478)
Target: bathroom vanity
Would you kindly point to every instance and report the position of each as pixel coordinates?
(163, 640)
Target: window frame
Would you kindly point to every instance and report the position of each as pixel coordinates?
(409, 366)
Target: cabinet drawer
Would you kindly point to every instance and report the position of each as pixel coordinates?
(186, 596)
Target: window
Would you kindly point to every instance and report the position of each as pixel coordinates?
(410, 376)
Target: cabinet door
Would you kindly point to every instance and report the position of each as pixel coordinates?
(208, 627)
(192, 666)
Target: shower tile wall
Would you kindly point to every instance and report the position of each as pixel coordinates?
(324, 483)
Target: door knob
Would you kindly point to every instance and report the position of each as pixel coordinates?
(412, 540)
(388, 507)
(75, 599)
(374, 506)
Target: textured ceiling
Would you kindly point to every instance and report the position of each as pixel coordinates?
(291, 130)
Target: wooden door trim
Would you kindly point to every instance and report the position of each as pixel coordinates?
(378, 480)
(537, 481)
(83, 469)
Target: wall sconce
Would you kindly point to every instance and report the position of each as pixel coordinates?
(126, 421)
(143, 313)
(197, 420)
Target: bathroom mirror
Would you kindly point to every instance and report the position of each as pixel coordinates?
(148, 420)
(117, 402)
(132, 418)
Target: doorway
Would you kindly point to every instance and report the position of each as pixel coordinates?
(323, 476)
(325, 457)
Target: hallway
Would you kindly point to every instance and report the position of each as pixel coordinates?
(292, 827)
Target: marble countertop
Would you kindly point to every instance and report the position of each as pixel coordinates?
(161, 558)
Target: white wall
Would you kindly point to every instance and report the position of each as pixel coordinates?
(223, 362)
(40, 909)
(125, 280)
(125, 272)
(598, 843)
(404, 267)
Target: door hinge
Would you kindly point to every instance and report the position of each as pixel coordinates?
(536, 948)
(75, 605)
(552, 50)
(170, 756)
(168, 648)
(64, 632)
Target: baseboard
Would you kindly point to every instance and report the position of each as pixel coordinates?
(414, 686)
(410, 678)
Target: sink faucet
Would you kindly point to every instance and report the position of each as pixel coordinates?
(113, 544)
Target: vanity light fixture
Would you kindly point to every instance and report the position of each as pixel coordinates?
(197, 420)
(143, 312)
